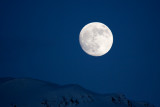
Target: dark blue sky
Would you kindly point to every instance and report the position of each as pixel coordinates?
(40, 39)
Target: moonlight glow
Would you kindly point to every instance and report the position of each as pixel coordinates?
(96, 39)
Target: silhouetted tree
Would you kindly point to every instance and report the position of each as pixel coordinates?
(13, 105)
(45, 103)
(90, 98)
(77, 102)
(72, 101)
(129, 104)
(113, 100)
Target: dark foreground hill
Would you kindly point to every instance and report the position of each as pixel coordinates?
(26, 92)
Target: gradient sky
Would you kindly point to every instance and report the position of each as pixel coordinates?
(40, 39)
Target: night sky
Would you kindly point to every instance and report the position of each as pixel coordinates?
(40, 39)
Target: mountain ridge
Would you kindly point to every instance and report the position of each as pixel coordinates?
(28, 92)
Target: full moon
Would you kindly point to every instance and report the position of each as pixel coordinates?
(96, 39)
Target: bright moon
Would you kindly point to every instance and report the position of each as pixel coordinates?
(96, 39)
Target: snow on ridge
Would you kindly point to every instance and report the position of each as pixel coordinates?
(26, 92)
(2, 80)
(26, 82)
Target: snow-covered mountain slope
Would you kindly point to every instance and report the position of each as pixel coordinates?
(27, 92)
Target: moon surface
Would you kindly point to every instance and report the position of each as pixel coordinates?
(96, 39)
